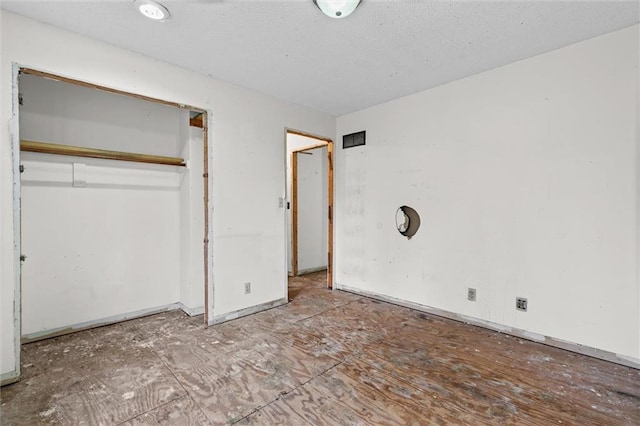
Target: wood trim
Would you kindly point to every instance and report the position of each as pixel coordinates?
(294, 211)
(205, 176)
(197, 121)
(330, 216)
(76, 151)
(308, 135)
(294, 202)
(311, 147)
(55, 77)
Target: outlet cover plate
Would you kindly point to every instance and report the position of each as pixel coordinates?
(471, 294)
(521, 304)
(247, 288)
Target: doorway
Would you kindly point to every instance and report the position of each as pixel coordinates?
(310, 191)
(114, 205)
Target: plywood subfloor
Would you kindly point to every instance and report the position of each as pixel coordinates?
(326, 358)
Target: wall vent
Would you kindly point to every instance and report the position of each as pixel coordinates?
(353, 139)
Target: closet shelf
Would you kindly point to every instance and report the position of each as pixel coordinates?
(58, 149)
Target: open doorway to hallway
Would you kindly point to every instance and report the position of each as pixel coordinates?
(310, 206)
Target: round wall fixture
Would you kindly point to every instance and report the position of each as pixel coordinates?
(407, 221)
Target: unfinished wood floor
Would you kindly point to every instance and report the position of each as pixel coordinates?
(326, 358)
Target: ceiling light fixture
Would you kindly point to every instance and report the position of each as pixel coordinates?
(152, 10)
(337, 8)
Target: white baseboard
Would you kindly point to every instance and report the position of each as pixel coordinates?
(192, 312)
(310, 270)
(248, 311)
(9, 377)
(527, 335)
(59, 331)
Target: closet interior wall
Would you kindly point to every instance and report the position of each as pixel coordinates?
(106, 239)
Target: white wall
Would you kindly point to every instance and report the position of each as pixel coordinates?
(246, 160)
(112, 246)
(94, 252)
(295, 143)
(65, 113)
(526, 180)
(192, 220)
(312, 210)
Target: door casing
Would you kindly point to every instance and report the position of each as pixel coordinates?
(321, 142)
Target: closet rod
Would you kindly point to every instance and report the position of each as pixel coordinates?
(57, 149)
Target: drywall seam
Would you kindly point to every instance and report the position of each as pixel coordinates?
(285, 215)
(248, 311)
(60, 331)
(534, 337)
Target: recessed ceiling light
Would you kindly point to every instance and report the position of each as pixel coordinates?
(152, 10)
(337, 8)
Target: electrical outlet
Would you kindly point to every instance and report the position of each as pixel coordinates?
(247, 288)
(471, 294)
(521, 304)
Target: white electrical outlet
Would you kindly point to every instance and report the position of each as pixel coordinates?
(521, 304)
(247, 288)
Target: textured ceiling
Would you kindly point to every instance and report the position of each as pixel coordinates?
(384, 50)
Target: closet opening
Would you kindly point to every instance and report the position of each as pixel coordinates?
(113, 206)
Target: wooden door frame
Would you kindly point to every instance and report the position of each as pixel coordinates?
(322, 142)
(17, 70)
